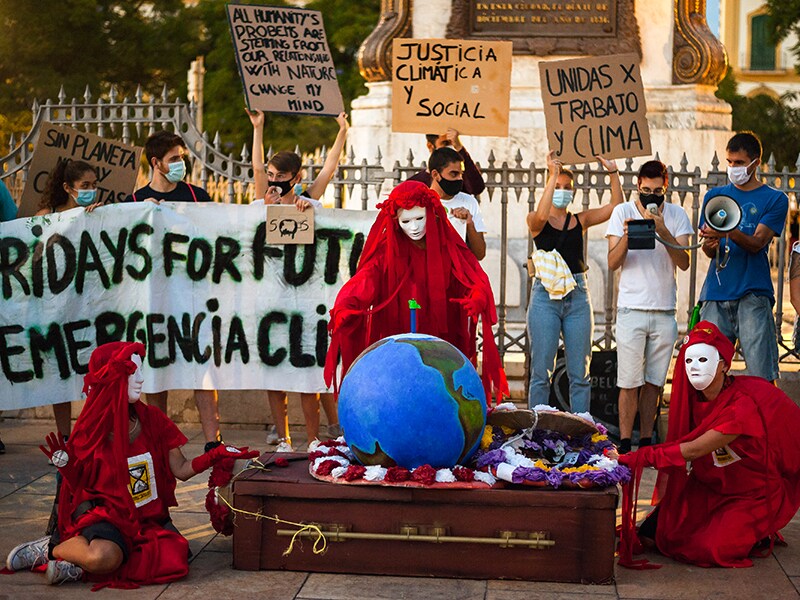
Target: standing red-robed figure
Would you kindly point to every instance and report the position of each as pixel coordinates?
(729, 471)
(413, 252)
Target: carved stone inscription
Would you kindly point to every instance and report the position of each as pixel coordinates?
(553, 18)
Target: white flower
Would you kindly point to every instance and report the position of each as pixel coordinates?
(506, 406)
(375, 473)
(340, 459)
(516, 459)
(485, 477)
(544, 408)
(602, 462)
(445, 476)
(338, 472)
(587, 416)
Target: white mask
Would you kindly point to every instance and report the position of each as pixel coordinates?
(739, 175)
(135, 379)
(701, 362)
(413, 222)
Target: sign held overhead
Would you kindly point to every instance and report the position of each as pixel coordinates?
(438, 84)
(595, 106)
(284, 60)
(117, 164)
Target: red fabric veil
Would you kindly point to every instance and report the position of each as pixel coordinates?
(444, 277)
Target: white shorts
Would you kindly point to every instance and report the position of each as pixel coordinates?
(645, 341)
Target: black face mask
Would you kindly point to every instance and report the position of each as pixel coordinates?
(646, 199)
(451, 186)
(284, 186)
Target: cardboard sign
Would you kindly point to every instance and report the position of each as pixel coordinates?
(437, 84)
(595, 106)
(287, 225)
(283, 60)
(117, 164)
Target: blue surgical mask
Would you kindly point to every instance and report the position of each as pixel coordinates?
(177, 171)
(86, 197)
(562, 198)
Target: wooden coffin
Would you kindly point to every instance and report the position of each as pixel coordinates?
(535, 534)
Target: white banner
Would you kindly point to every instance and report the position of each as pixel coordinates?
(215, 306)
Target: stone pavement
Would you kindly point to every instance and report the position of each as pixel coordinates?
(26, 488)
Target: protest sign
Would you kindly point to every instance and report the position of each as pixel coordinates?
(437, 84)
(215, 305)
(117, 164)
(287, 225)
(595, 106)
(284, 60)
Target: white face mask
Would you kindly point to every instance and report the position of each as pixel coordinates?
(701, 362)
(413, 222)
(740, 175)
(135, 380)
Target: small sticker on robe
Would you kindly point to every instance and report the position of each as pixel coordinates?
(724, 456)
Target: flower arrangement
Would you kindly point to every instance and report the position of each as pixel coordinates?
(543, 457)
(334, 461)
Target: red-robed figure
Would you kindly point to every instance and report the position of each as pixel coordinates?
(119, 471)
(729, 471)
(412, 252)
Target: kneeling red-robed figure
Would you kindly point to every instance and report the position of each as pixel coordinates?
(729, 472)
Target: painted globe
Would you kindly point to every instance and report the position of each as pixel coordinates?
(410, 400)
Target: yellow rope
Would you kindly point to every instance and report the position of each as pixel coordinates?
(320, 543)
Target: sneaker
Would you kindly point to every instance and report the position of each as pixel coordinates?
(61, 571)
(314, 444)
(284, 445)
(335, 431)
(272, 435)
(28, 555)
(211, 445)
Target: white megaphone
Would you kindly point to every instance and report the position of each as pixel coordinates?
(722, 213)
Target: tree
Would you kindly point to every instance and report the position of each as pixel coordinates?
(775, 121)
(75, 43)
(785, 20)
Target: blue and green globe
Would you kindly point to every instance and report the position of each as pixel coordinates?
(410, 400)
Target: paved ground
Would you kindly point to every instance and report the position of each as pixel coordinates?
(26, 487)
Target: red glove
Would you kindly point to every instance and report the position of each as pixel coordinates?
(57, 453)
(473, 305)
(660, 456)
(220, 453)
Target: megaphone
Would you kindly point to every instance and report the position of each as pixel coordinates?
(722, 213)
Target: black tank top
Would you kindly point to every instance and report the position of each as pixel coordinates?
(571, 246)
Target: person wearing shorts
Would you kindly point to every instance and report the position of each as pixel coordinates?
(646, 325)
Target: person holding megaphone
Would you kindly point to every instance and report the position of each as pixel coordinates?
(737, 224)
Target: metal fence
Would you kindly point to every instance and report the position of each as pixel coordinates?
(511, 190)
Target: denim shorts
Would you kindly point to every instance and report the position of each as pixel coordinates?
(749, 319)
(645, 340)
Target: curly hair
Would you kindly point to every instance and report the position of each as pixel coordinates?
(66, 171)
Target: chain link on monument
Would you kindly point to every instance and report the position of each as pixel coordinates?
(361, 184)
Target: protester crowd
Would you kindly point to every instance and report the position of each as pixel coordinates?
(437, 215)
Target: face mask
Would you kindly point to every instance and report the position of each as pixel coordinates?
(739, 175)
(86, 197)
(135, 379)
(701, 362)
(562, 198)
(413, 222)
(646, 199)
(177, 170)
(451, 186)
(284, 186)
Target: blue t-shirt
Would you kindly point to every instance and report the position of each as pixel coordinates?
(8, 208)
(745, 273)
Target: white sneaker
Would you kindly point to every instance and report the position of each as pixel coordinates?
(61, 571)
(272, 435)
(28, 555)
(284, 445)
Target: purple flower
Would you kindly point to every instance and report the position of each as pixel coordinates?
(492, 458)
(523, 474)
(555, 477)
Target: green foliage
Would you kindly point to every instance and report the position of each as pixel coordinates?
(776, 122)
(47, 43)
(785, 20)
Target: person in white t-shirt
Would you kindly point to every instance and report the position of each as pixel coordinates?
(463, 211)
(646, 325)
